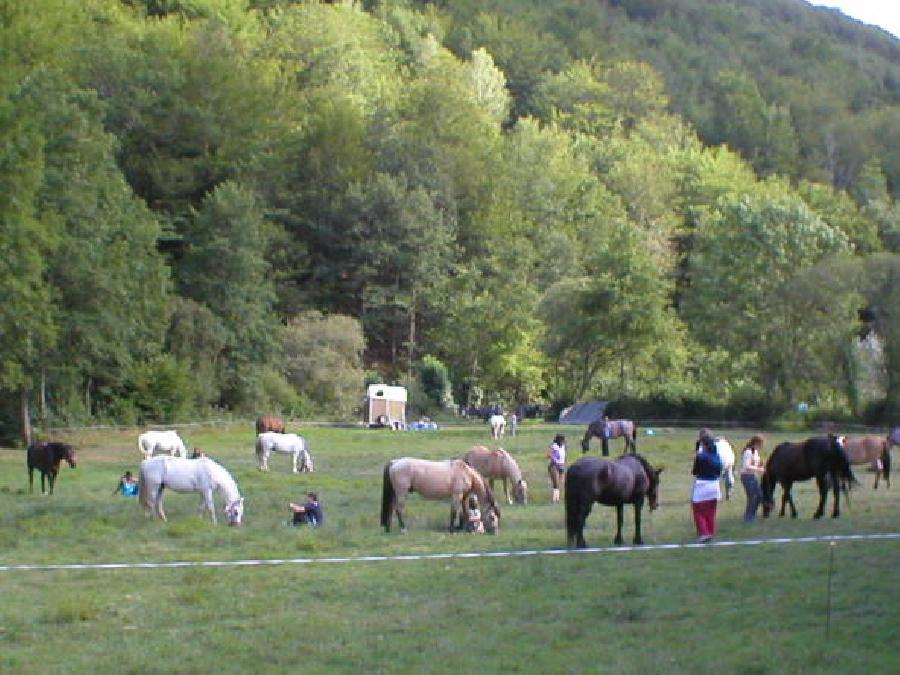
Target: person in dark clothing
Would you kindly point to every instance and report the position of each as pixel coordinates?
(308, 513)
(706, 493)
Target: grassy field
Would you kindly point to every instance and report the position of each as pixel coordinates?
(746, 609)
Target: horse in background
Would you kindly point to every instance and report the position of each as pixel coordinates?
(201, 475)
(606, 429)
(269, 423)
(451, 479)
(627, 480)
(498, 426)
(151, 443)
(498, 464)
(289, 444)
(874, 450)
(46, 458)
(822, 458)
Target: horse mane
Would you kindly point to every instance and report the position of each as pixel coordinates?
(651, 474)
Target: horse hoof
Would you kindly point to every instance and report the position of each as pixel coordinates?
(618, 542)
(638, 542)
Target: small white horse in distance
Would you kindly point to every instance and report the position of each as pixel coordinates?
(290, 444)
(201, 475)
(152, 443)
(498, 426)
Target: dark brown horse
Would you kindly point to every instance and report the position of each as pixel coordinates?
(822, 458)
(604, 429)
(627, 480)
(269, 423)
(46, 458)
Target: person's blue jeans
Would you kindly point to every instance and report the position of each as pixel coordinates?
(754, 496)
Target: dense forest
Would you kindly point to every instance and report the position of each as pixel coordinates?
(688, 207)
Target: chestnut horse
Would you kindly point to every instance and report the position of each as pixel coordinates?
(46, 458)
(269, 423)
(451, 479)
(871, 450)
(604, 429)
(499, 464)
(627, 480)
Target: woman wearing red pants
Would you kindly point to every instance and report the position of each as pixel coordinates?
(706, 493)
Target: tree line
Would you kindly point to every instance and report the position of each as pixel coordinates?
(224, 205)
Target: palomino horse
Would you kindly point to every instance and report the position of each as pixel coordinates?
(821, 458)
(871, 450)
(269, 423)
(152, 443)
(201, 475)
(451, 479)
(604, 429)
(627, 480)
(289, 444)
(499, 464)
(46, 458)
(498, 426)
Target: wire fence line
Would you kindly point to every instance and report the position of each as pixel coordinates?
(779, 541)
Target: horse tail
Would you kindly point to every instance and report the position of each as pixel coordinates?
(387, 497)
(143, 490)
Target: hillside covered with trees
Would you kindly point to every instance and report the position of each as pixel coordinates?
(686, 206)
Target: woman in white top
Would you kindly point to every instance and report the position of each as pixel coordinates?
(556, 467)
(751, 468)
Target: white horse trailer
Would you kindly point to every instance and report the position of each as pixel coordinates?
(386, 406)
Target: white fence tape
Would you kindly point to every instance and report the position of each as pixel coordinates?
(440, 556)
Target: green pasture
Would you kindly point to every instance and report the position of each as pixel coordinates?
(744, 609)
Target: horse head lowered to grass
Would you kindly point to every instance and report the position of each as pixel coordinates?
(627, 480)
(451, 479)
(497, 464)
(201, 475)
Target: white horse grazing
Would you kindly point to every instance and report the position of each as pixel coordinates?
(726, 454)
(152, 443)
(498, 426)
(291, 444)
(201, 475)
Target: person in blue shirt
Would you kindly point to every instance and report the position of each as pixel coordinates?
(308, 513)
(706, 493)
(128, 485)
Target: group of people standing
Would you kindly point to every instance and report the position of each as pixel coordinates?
(707, 470)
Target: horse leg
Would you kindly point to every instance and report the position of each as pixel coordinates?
(51, 480)
(294, 456)
(210, 506)
(638, 540)
(836, 488)
(398, 509)
(620, 516)
(584, 510)
(159, 504)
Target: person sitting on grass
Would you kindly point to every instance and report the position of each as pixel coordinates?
(473, 517)
(128, 485)
(308, 513)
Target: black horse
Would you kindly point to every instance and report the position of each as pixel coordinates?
(822, 458)
(626, 480)
(46, 457)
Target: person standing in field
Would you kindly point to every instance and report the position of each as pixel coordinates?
(556, 467)
(751, 468)
(706, 492)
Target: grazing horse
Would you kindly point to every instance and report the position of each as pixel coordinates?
(152, 443)
(201, 475)
(871, 450)
(822, 458)
(605, 429)
(269, 423)
(627, 480)
(451, 479)
(289, 444)
(499, 464)
(46, 458)
(498, 426)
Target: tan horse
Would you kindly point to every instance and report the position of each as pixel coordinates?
(498, 464)
(451, 479)
(871, 450)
